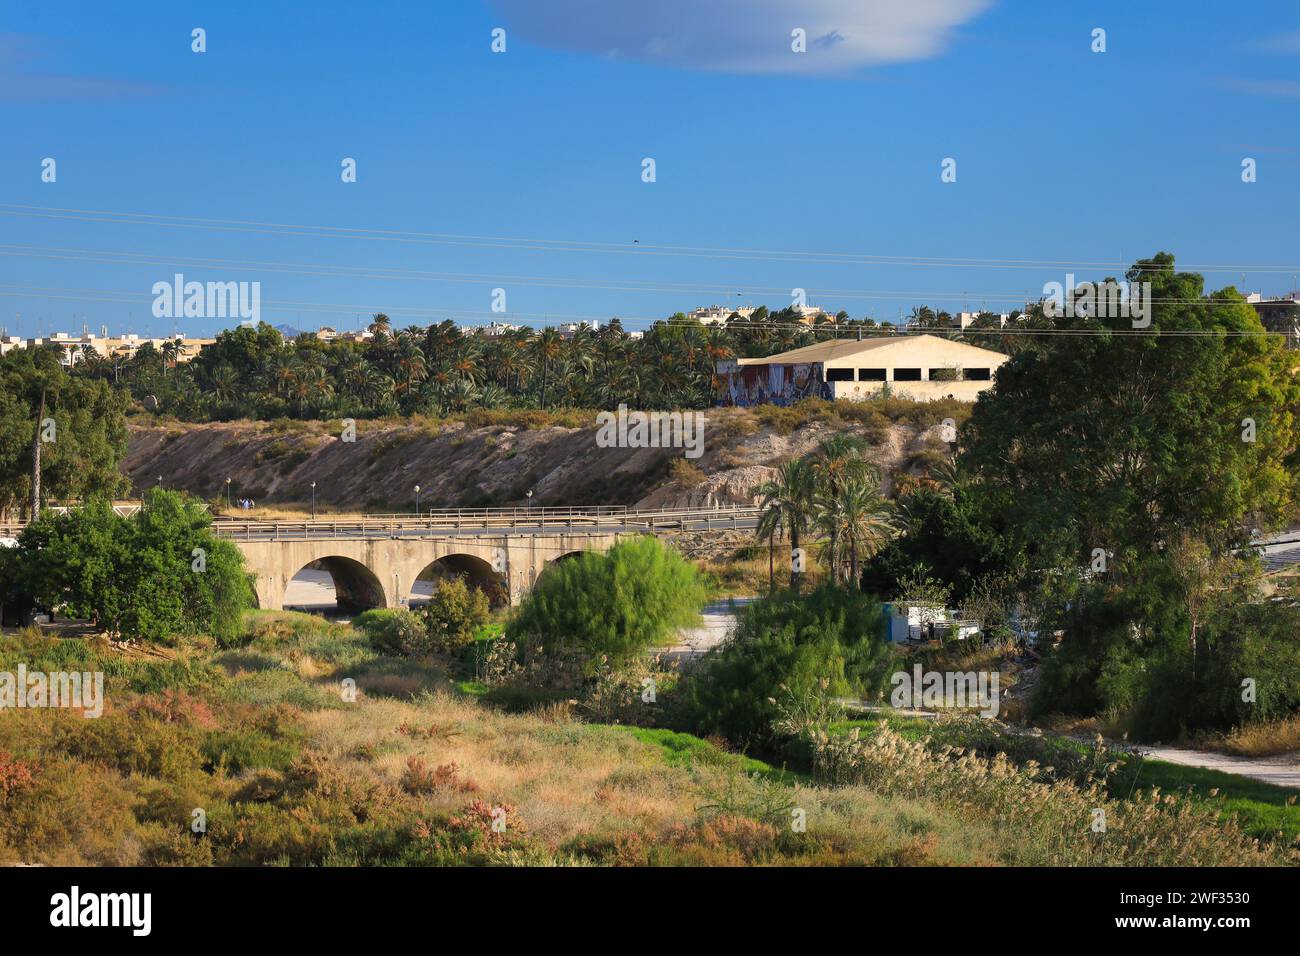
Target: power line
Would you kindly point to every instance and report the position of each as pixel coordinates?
(593, 247)
(385, 273)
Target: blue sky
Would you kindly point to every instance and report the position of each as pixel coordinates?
(1064, 156)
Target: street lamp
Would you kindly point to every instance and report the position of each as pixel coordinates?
(313, 501)
(227, 494)
(417, 501)
(529, 495)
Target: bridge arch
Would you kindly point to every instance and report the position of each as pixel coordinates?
(560, 557)
(334, 582)
(476, 571)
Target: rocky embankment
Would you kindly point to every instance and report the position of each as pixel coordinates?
(459, 465)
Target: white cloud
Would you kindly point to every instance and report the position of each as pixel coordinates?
(743, 36)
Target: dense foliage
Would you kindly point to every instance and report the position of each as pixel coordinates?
(256, 373)
(1161, 667)
(943, 536)
(1108, 481)
(1122, 442)
(156, 575)
(615, 605)
(445, 624)
(829, 641)
(85, 445)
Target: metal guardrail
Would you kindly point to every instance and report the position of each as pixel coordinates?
(570, 520)
(502, 512)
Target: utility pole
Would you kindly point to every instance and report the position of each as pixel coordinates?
(36, 460)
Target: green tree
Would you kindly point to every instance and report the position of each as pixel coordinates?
(830, 640)
(615, 605)
(154, 576)
(81, 454)
(1120, 441)
(453, 615)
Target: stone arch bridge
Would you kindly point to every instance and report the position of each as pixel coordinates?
(376, 561)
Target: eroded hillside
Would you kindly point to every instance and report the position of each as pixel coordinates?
(472, 463)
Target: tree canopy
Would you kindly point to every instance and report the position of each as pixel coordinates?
(156, 575)
(1121, 442)
(86, 444)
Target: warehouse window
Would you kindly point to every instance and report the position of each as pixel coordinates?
(978, 374)
(871, 375)
(839, 375)
(907, 375)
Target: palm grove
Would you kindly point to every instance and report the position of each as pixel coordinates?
(254, 372)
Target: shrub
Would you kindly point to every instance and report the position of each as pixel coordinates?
(684, 472)
(446, 625)
(1044, 814)
(392, 631)
(787, 644)
(1130, 656)
(452, 617)
(615, 605)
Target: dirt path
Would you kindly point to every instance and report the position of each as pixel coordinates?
(1281, 771)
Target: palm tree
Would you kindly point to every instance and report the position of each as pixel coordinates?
(224, 381)
(351, 370)
(837, 461)
(828, 518)
(380, 324)
(865, 521)
(492, 395)
(461, 394)
(169, 350)
(409, 364)
(547, 348)
(280, 374)
(466, 362)
(509, 363)
(789, 496)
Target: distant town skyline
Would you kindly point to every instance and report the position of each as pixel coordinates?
(525, 171)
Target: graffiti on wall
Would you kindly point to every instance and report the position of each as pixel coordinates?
(771, 384)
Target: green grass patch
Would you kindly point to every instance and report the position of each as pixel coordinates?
(687, 750)
(1261, 808)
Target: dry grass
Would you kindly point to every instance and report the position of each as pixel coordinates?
(745, 572)
(1259, 740)
(565, 779)
(412, 772)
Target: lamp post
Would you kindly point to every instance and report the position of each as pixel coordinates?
(313, 501)
(417, 501)
(529, 495)
(227, 494)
